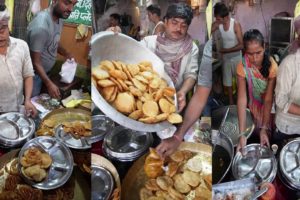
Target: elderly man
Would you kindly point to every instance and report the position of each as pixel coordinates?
(195, 106)
(43, 36)
(176, 48)
(16, 71)
(154, 16)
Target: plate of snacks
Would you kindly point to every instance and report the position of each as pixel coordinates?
(45, 163)
(186, 174)
(131, 87)
(13, 186)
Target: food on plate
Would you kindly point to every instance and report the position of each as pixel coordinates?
(131, 88)
(182, 176)
(34, 164)
(78, 129)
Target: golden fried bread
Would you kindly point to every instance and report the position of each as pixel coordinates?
(150, 108)
(164, 182)
(180, 185)
(191, 178)
(152, 185)
(174, 118)
(125, 102)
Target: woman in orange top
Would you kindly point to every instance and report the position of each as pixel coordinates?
(257, 74)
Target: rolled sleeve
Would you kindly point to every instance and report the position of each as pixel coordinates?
(284, 83)
(192, 68)
(205, 70)
(27, 63)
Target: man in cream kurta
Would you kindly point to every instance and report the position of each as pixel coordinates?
(16, 71)
(177, 50)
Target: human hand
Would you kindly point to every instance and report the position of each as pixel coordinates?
(264, 138)
(167, 146)
(53, 90)
(181, 100)
(242, 143)
(30, 109)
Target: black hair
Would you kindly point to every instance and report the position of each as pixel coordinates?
(255, 35)
(180, 10)
(154, 9)
(2, 7)
(116, 16)
(221, 10)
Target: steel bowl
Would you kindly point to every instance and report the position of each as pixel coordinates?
(102, 183)
(126, 145)
(229, 124)
(109, 46)
(258, 162)
(223, 141)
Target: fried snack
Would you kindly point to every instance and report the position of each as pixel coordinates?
(35, 173)
(172, 169)
(107, 65)
(150, 108)
(153, 164)
(11, 182)
(46, 161)
(180, 185)
(49, 123)
(202, 193)
(105, 83)
(141, 84)
(12, 167)
(136, 114)
(174, 194)
(156, 198)
(125, 103)
(145, 194)
(194, 164)
(164, 194)
(152, 185)
(208, 181)
(164, 182)
(177, 156)
(29, 193)
(191, 178)
(174, 118)
(99, 73)
(118, 74)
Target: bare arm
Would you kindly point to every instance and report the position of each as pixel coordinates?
(214, 26)
(294, 109)
(239, 35)
(188, 84)
(62, 51)
(29, 107)
(242, 102)
(37, 65)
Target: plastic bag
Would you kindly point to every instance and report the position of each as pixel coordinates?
(68, 70)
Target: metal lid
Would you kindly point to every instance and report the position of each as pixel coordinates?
(126, 145)
(62, 162)
(15, 128)
(289, 163)
(101, 125)
(102, 183)
(258, 162)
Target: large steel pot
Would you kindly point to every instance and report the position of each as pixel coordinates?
(109, 46)
(222, 156)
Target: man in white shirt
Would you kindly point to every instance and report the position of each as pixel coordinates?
(177, 50)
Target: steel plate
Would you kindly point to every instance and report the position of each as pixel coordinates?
(101, 125)
(16, 128)
(258, 162)
(102, 183)
(62, 162)
(289, 163)
(109, 46)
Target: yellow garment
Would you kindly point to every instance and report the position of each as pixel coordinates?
(81, 32)
(297, 9)
(209, 17)
(74, 103)
(10, 6)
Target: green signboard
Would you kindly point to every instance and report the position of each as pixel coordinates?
(82, 13)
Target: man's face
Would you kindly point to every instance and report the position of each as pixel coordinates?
(63, 8)
(150, 16)
(220, 20)
(4, 35)
(113, 21)
(176, 28)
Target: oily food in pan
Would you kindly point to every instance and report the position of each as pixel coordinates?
(12, 187)
(186, 177)
(136, 90)
(35, 163)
